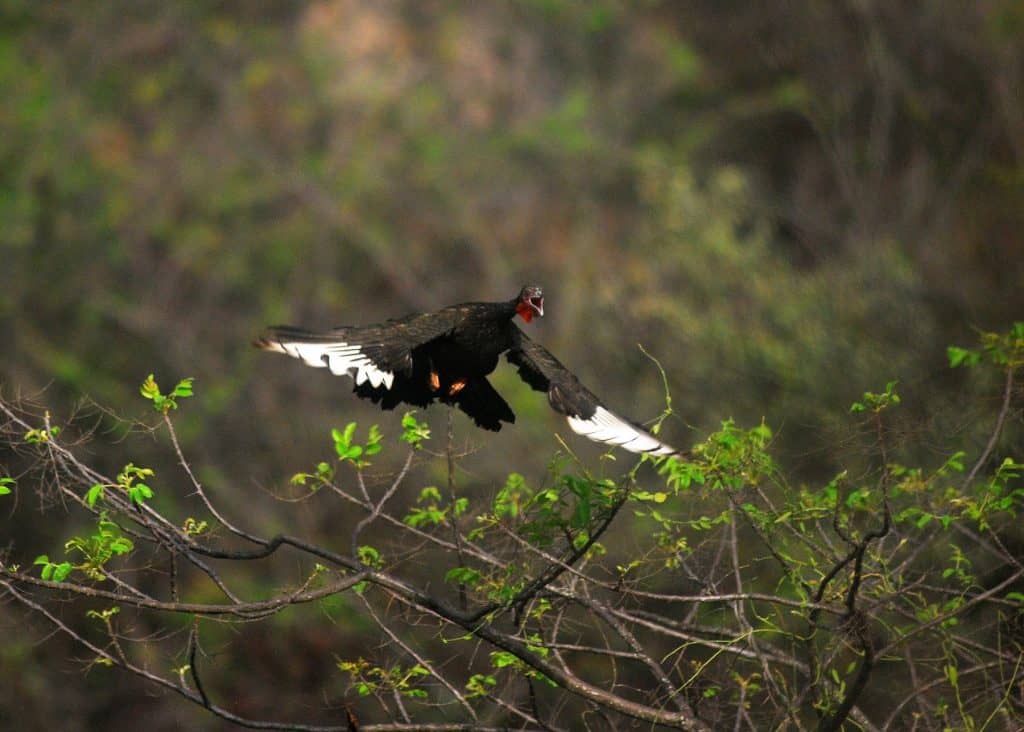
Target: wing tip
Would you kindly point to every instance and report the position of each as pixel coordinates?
(608, 428)
(264, 343)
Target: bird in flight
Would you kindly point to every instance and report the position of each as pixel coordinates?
(447, 355)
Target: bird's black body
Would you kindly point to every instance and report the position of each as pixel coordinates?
(465, 353)
(447, 355)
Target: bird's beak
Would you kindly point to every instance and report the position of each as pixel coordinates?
(537, 303)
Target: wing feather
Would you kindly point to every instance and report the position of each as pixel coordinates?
(586, 414)
(370, 355)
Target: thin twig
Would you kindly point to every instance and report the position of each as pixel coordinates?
(997, 430)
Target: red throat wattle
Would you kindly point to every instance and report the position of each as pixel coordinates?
(524, 311)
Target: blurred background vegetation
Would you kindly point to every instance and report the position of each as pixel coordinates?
(785, 203)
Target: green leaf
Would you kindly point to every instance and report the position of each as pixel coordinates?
(763, 433)
(952, 674)
(962, 357)
(94, 494)
(369, 556)
(503, 659)
(184, 388)
(53, 572)
(956, 461)
(149, 388)
(5, 486)
(191, 527)
(414, 432)
(161, 403)
(139, 493)
(462, 575)
(37, 436)
(104, 615)
(479, 684)
(430, 493)
(373, 440)
(121, 545)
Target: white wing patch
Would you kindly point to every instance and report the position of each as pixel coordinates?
(606, 427)
(340, 358)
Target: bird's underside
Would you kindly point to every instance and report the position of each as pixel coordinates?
(425, 383)
(446, 356)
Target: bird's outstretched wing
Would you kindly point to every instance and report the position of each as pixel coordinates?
(372, 354)
(586, 414)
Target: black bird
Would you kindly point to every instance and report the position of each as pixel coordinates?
(447, 355)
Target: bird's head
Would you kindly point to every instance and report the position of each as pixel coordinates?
(530, 302)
